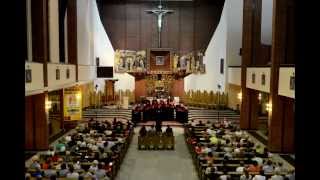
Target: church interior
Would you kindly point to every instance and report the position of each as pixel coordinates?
(159, 89)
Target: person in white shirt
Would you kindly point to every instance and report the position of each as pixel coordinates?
(277, 176)
(268, 168)
(259, 176)
(258, 159)
(94, 167)
(241, 167)
(245, 175)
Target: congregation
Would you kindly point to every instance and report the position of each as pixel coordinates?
(94, 150)
(220, 150)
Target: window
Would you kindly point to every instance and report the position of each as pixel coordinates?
(253, 78)
(221, 65)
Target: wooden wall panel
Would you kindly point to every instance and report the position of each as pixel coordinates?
(178, 88)
(29, 123)
(288, 126)
(140, 88)
(130, 27)
(41, 126)
(148, 37)
(72, 32)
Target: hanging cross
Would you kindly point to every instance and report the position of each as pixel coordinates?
(160, 13)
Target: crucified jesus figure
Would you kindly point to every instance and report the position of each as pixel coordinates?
(160, 13)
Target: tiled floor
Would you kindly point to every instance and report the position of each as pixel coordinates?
(158, 165)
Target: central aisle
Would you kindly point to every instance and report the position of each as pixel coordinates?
(159, 164)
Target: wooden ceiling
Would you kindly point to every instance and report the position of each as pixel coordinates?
(189, 28)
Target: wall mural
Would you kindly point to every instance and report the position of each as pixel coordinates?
(136, 61)
(130, 61)
(190, 63)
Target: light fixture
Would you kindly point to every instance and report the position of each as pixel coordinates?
(269, 107)
(48, 105)
(240, 96)
(78, 95)
(259, 96)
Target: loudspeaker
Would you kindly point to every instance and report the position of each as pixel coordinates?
(97, 61)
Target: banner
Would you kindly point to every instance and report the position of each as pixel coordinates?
(72, 104)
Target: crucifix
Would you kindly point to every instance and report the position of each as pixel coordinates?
(160, 13)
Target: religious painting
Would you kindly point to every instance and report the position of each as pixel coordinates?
(160, 60)
(253, 78)
(28, 76)
(129, 61)
(292, 83)
(182, 63)
(263, 79)
(57, 74)
(68, 73)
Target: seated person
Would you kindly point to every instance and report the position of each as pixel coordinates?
(200, 123)
(241, 168)
(209, 158)
(258, 159)
(254, 167)
(72, 174)
(151, 131)
(50, 172)
(211, 172)
(268, 167)
(276, 176)
(169, 131)
(86, 174)
(225, 175)
(63, 171)
(94, 167)
(143, 131)
(280, 168)
(101, 172)
(35, 163)
(259, 176)
(245, 175)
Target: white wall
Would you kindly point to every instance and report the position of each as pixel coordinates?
(257, 85)
(284, 82)
(84, 32)
(36, 76)
(53, 31)
(234, 31)
(266, 22)
(56, 84)
(29, 29)
(215, 51)
(86, 73)
(93, 42)
(234, 75)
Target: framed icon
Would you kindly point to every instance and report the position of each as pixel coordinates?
(253, 78)
(221, 66)
(263, 79)
(57, 74)
(28, 76)
(68, 73)
(292, 82)
(159, 60)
